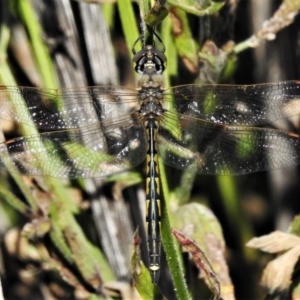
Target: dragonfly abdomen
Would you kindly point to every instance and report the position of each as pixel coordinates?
(153, 201)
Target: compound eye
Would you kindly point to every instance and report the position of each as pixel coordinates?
(160, 55)
(139, 55)
(160, 64)
(139, 61)
(160, 61)
(139, 66)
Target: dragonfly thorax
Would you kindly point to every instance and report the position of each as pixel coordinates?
(150, 82)
(151, 109)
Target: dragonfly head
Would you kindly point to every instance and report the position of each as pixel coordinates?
(149, 61)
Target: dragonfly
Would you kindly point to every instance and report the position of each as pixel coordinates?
(213, 129)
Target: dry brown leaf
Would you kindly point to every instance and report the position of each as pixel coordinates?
(221, 268)
(283, 17)
(278, 273)
(208, 235)
(200, 260)
(292, 111)
(275, 242)
(125, 290)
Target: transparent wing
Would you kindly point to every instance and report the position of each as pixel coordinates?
(187, 142)
(53, 109)
(96, 150)
(236, 104)
(206, 127)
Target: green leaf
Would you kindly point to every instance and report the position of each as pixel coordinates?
(141, 276)
(185, 44)
(40, 49)
(198, 8)
(128, 21)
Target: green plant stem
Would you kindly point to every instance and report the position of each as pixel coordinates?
(40, 50)
(173, 254)
(128, 21)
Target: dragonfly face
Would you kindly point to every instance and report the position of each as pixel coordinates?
(211, 128)
(149, 61)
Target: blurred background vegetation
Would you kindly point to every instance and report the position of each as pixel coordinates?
(82, 230)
